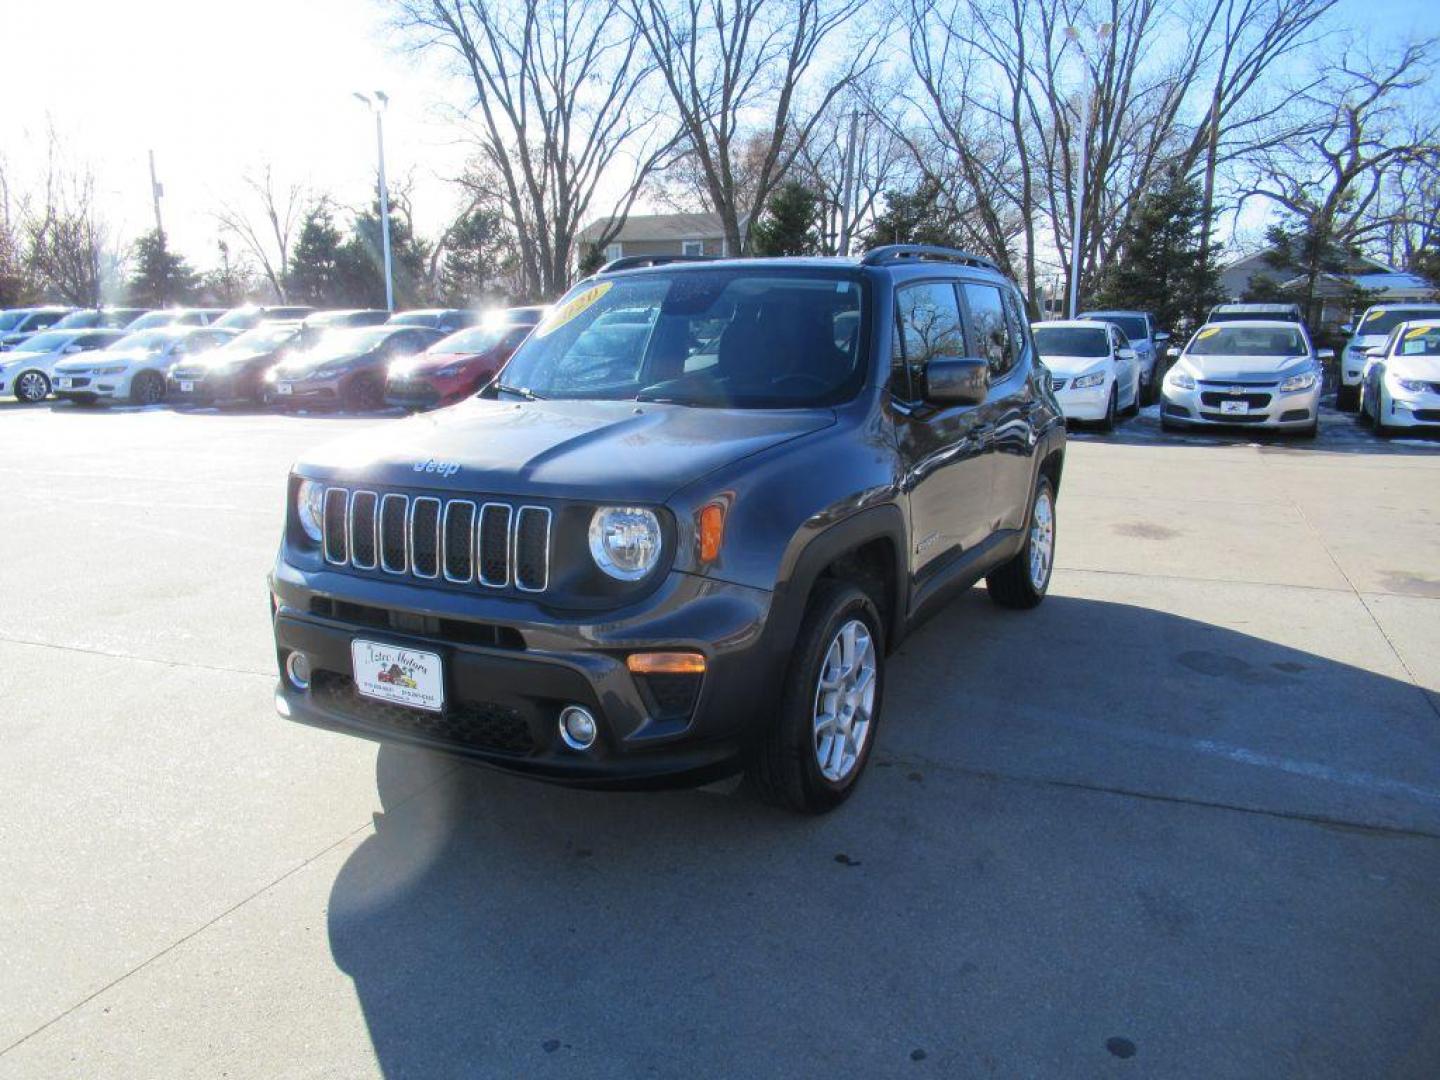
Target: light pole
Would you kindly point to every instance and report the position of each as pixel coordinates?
(1077, 230)
(377, 106)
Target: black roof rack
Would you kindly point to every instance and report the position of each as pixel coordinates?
(893, 253)
(634, 262)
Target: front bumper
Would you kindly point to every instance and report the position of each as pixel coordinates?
(510, 666)
(88, 387)
(209, 388)
(306, 391)
(1411, 410)
(1091, 403)
(1265, 406)
(416, 392)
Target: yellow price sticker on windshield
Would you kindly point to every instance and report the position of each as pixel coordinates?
(1209, 331)
(572, 308)
(1418, 331)
(1374, 312)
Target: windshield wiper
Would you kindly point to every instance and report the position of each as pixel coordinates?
(520, 391)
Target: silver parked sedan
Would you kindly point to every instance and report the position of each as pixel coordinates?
(1256, 373)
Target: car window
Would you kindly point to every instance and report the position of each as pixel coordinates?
(95, 341)
(1420, 341)
(929, 324)
(990, 328)
(1381, 320)
(1230, 339)
(1019, 321)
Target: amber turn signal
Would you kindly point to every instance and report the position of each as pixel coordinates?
(666, 663)
(712, 532)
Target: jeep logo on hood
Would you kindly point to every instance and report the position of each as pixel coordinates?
(443, 468)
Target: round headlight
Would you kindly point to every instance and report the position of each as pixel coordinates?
(310, 508)
(625, 541)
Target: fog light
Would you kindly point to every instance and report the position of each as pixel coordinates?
(297, 670)
(577, 727)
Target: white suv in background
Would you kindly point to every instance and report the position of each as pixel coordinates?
(1258, 373)
(1372, 332)
(1094, 372)
(133, 368)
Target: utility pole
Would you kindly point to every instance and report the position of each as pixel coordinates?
(157, 190)
(1077, 229)
(847, 185)
(378, 107)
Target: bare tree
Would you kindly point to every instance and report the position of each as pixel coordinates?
(754, 65)
(1335, 179)
(266, 228)
(68, 247)
(556, 89)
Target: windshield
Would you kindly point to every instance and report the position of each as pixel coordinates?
(48, 341)
(1133, 326)
(713, 338)
(476, 339)
(1248, 341)
(79, 320)
(262, 339)
(415, 318)
(1420, 341)
(155, 318)
(337, 343)
(146, 341)
(1071, 341)
(8, 319)
(1383, 320)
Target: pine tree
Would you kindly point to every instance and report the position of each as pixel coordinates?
(789, 225)
(915, 217)
(363, 261)
(314, 274)
(161, 277)
(1158, 267)
(477, 249)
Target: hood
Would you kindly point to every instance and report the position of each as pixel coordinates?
(303, 363)
(1419, 368)
(106, 358)
(230, 359)
(602, 450)
(1069, 366)
(1220, 368)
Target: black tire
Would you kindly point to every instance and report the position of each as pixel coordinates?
(363, 394)
(147, 388)
(32, 386)
(1347, 398)
(1166, 424)
(1311, 431)
(1108, 424)
(1377, 416)
(1012, 585)
(1133, 409)
(782, 766)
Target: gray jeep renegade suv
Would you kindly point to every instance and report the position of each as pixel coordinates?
(682, 530)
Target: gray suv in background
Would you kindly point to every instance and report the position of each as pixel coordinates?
(1145, 339)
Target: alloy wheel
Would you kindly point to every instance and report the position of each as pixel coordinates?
(1042, 540)
(32, 387)
(844, 701)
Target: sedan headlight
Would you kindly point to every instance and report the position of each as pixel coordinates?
(1302, 380)
(310, 508)
(111, 369)
(1412, 386)
(1180, 379)
(625, 541)
(1084, 382)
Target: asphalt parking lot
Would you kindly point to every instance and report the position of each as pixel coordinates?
(1182, 820)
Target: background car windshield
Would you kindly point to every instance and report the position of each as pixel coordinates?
(148, 340)
(348, 342)
(715, 338)
(1383, 320)
(44, 342)
(262, 337)
(8, 319)
(1071, 341)
(1248, 341)
(1420, 341)
(1133, 325)
(474, 340)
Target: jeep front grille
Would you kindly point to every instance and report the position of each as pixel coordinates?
(492, 544)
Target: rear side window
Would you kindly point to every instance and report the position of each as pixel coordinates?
(991, 328)
(927, 319)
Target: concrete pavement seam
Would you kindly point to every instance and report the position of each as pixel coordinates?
(226, 913)
(1234, 581)
(7, 640)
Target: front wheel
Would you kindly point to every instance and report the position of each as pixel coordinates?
(1108, 424)
(32, 386)
(1347, 398)
(813, 753)
(1023, 581)
(148, 388)
(364, 394)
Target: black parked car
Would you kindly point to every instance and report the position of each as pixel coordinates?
(236, 370)
(105, 318)
(681, 531)
(344, 367)
(314, 325)
(16, 324)
(249, 316)
(447, 319)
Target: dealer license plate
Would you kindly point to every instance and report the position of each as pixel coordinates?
(62, 383)
(399, 675)
(1235, 407)
(284, 388)
(186, 387)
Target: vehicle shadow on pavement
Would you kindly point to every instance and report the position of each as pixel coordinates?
(1092, 832)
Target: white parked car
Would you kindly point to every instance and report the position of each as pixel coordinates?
(1372, 332)
(1259, 373)
(135, 367)
(153, 320)
(1094, 371)
(27, 370)
(1400, 385)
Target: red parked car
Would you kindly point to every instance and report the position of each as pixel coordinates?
(457, 366)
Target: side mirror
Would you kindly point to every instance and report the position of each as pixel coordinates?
(1161, 336)
(1375, 352)
(957, 380)
(1347, 328)
(70, 350)
(1325, 354)
(1125, 354)
(1173, 352)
